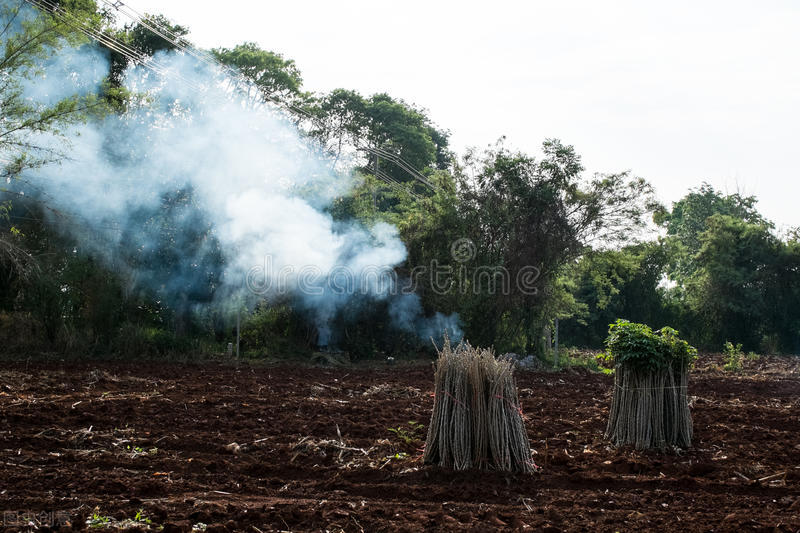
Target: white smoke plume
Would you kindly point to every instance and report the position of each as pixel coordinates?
(239, 191)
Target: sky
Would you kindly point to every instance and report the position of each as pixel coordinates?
(676, 92)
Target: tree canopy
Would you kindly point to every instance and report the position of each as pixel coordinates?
(275, 77)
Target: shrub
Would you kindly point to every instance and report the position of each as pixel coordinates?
(133, 340)
(274, 330)
(733, 356)
(770, 344)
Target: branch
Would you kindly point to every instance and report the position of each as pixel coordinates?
(43, 120)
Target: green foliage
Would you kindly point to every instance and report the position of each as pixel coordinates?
(721, 272)
(770, 343)
(132, 340)
(409, 434)
(532, 218)
(138, 37)
(344, 119)
(733, 356)
(733, 278)
(571, 357)
(398, 456)
(689, 218)
(98, 521)
(610, 283)
(737, 289)
(638, 347)
(28, 38)
(142, 518)
(275, 330)
(75, 304)
(276, 77)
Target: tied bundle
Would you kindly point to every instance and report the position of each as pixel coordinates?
(477, 420)
(649, 405)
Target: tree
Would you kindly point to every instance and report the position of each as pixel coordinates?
(141, 39)
(618, 283)
(277, 78)
(735, 279)
(735, 273)
(527, 220)
(28, 37)
(784, 293)
(688, 220)
(172, 246)
(339, 121)
(401, 129)
(344, 120)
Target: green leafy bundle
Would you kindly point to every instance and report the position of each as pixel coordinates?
(638, 347)
(650, 402)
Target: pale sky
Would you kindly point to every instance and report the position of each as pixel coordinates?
(677, 92)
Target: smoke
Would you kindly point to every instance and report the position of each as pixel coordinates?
(196, 196)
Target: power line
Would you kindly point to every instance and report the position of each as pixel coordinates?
(135, 56)
(140, 58)
(188, 48)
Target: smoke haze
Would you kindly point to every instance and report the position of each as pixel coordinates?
(191, 189)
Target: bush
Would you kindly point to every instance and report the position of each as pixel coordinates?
(274, 330)
(136, 341)
(20, 333)
(571, 357)
(770, 344)
(733, 356)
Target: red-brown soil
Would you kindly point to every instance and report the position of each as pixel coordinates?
(313, 452)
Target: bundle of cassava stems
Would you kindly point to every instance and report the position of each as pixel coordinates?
(477, 420)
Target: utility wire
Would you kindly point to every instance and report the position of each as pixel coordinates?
(110, 42)
(140, 58)
(185, 46)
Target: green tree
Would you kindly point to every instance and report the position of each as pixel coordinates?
(628, 282)
(536, 216)
(735, 278)
(784, 293)
(344, 120)
(527, 219)
(339, 121)
(688, 219)
(28, 38)
(736, 270)
(141, 39)
(401, 129)
(276, 77)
